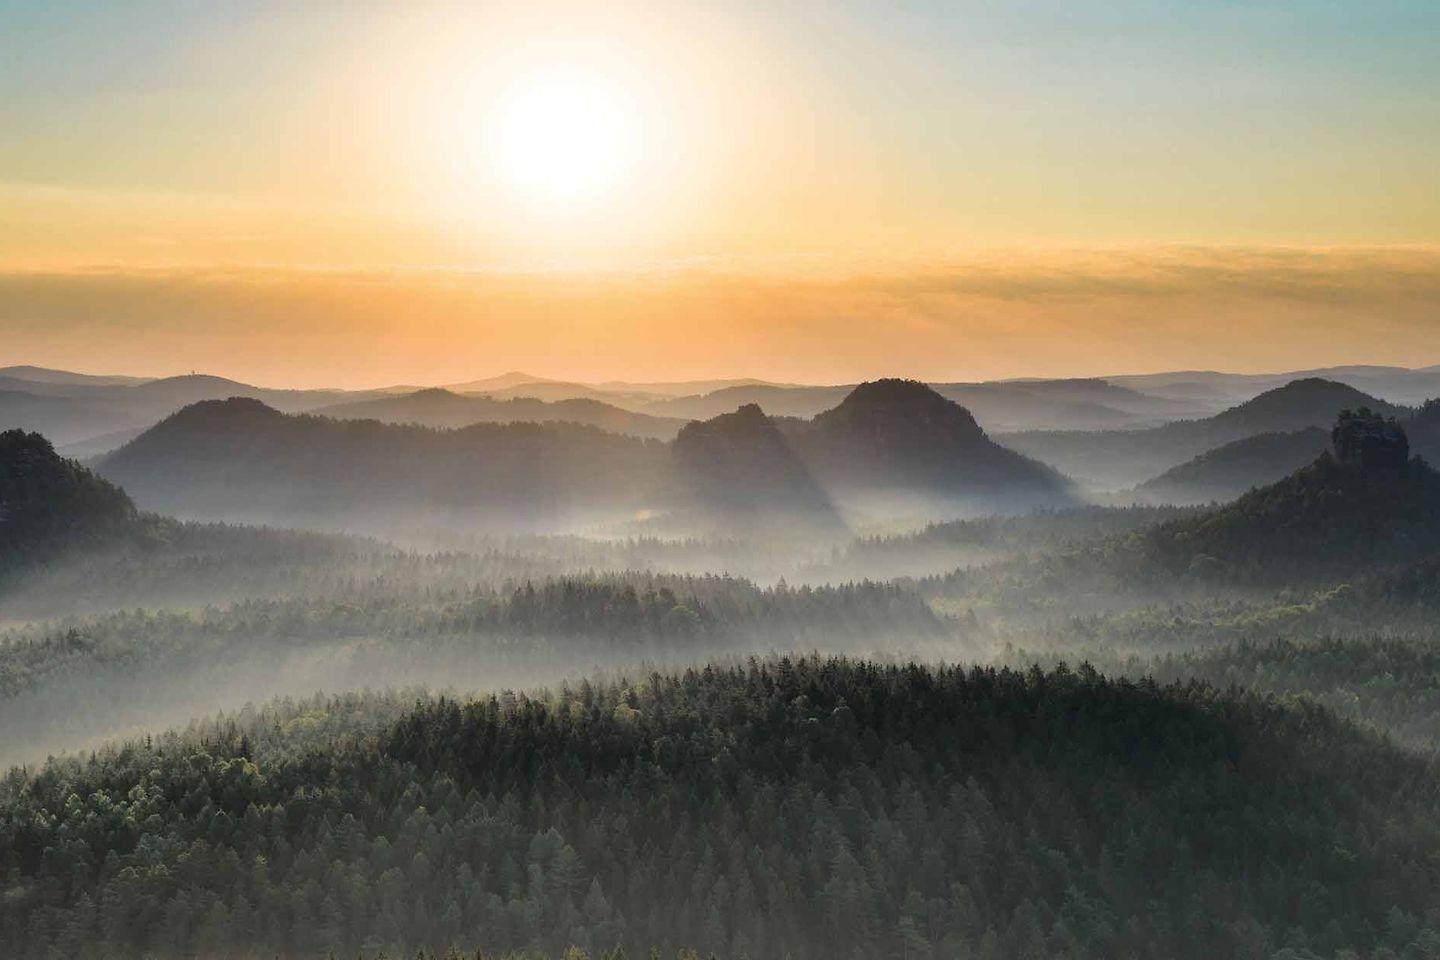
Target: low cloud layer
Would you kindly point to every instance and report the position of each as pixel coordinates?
(1070, 313)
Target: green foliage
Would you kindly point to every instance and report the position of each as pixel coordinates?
(1327, 520)
(48, 503)
(803, 808)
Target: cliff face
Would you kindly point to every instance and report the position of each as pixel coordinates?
(1368, 441)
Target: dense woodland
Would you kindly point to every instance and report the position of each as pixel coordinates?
(810, 808)
(779, 719)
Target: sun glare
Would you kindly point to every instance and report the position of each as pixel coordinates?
(563, 138)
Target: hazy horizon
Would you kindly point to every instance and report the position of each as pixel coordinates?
(933, 480)
(371, 194)
(701, 381)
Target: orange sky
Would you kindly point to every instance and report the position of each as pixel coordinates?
(361, 194)
(1062, 313)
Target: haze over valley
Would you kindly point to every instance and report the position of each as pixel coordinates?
(580, 480)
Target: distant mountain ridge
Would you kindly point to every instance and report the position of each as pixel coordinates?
(1361, 505)
(1229, 470)
(1124, 458)
(885, 439)
(437, 407)
(89, 412)
(241, 460)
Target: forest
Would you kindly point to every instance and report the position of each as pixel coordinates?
(783, 807)
(798, 710)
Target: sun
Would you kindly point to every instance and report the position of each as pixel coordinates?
(563, 138)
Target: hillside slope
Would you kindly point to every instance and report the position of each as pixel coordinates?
(1115, 459)
(902, 436)
(1360, 506)
(48, 502)
(809, 809)
(1229, 470)
(445, 409)
(740, 467)
(239, 459)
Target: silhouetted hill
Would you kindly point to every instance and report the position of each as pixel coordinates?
(48, 502)
(901, 435)
(62, 419)
(1122, 458)
(1424, 432)
(740, 465)
(1010, 405)
(888, 445)
(1229, 470)
(46, 375)
(785, 808)
(1360, 506)
(239, 459)
(1303, 403)
(73, 409)
(445, 409)
(783, 401)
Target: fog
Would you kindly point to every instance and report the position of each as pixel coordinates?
(533, 687)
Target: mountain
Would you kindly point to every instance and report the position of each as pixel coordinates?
(1019, 406)
(1397, 385)
(47, 502)
(1091, 392)
(445, 409)
(801, 808)
(1362, 505)
(517, 385)
(63, 419)
(780, 401)
(684, 388)
(1114, 459)
(999, 406)
(239, 459)
(71, 409)
(92, 447)
(741, 466)
(504, 381)
(889, 446)
(45, 375)
(903, 436)
(1229, 470)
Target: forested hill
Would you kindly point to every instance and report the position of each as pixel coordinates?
(48, 502)
(805, 809)
(1228, 471)
(446, 409)
(900, 435)
(894, 439)
(1125, 458)
(1364, 505)
(238, 459)
(739, 466)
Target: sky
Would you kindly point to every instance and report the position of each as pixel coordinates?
(357, 193)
